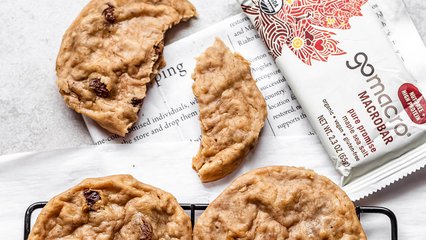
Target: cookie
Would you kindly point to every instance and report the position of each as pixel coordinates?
(280, 203)
(109, 55)
(232, 111)
(115, 207)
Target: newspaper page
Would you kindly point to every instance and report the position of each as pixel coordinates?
(170, 110)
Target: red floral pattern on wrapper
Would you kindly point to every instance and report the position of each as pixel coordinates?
(299, 25)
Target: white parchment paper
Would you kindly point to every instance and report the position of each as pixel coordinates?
(30, 177)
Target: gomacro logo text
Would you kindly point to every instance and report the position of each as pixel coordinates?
(390, 111)
(271, 6)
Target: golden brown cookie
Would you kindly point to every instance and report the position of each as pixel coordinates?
(116, 208)
(111, 52)
(280, 203)
(232, 111)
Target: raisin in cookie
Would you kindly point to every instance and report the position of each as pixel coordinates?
(115, 207)
(280, 203)
(109, 55)
(232, 111)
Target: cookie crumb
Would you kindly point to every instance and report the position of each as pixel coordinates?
(159, 49)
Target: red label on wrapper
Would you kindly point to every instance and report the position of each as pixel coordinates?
(413, 102)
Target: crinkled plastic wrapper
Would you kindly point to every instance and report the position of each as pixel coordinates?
(357, 68)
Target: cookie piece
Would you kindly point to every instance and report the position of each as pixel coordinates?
(109, 55)
(280, 203)
(232, 111)
(115, 207)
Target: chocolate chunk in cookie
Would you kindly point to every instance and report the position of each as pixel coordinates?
(232, 111)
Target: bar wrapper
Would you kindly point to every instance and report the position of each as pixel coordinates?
(357, 68)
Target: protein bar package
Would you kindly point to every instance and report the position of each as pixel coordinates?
(357, 68)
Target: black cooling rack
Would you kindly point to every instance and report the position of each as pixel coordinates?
(201, 207)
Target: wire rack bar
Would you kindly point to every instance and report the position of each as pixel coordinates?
(201, 207)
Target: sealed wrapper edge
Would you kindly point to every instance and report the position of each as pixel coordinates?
(389, 173)
(293, 37)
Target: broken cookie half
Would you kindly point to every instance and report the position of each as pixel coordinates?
(232, 111)
(111, 52)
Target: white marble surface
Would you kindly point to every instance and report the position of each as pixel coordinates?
(34, 117)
